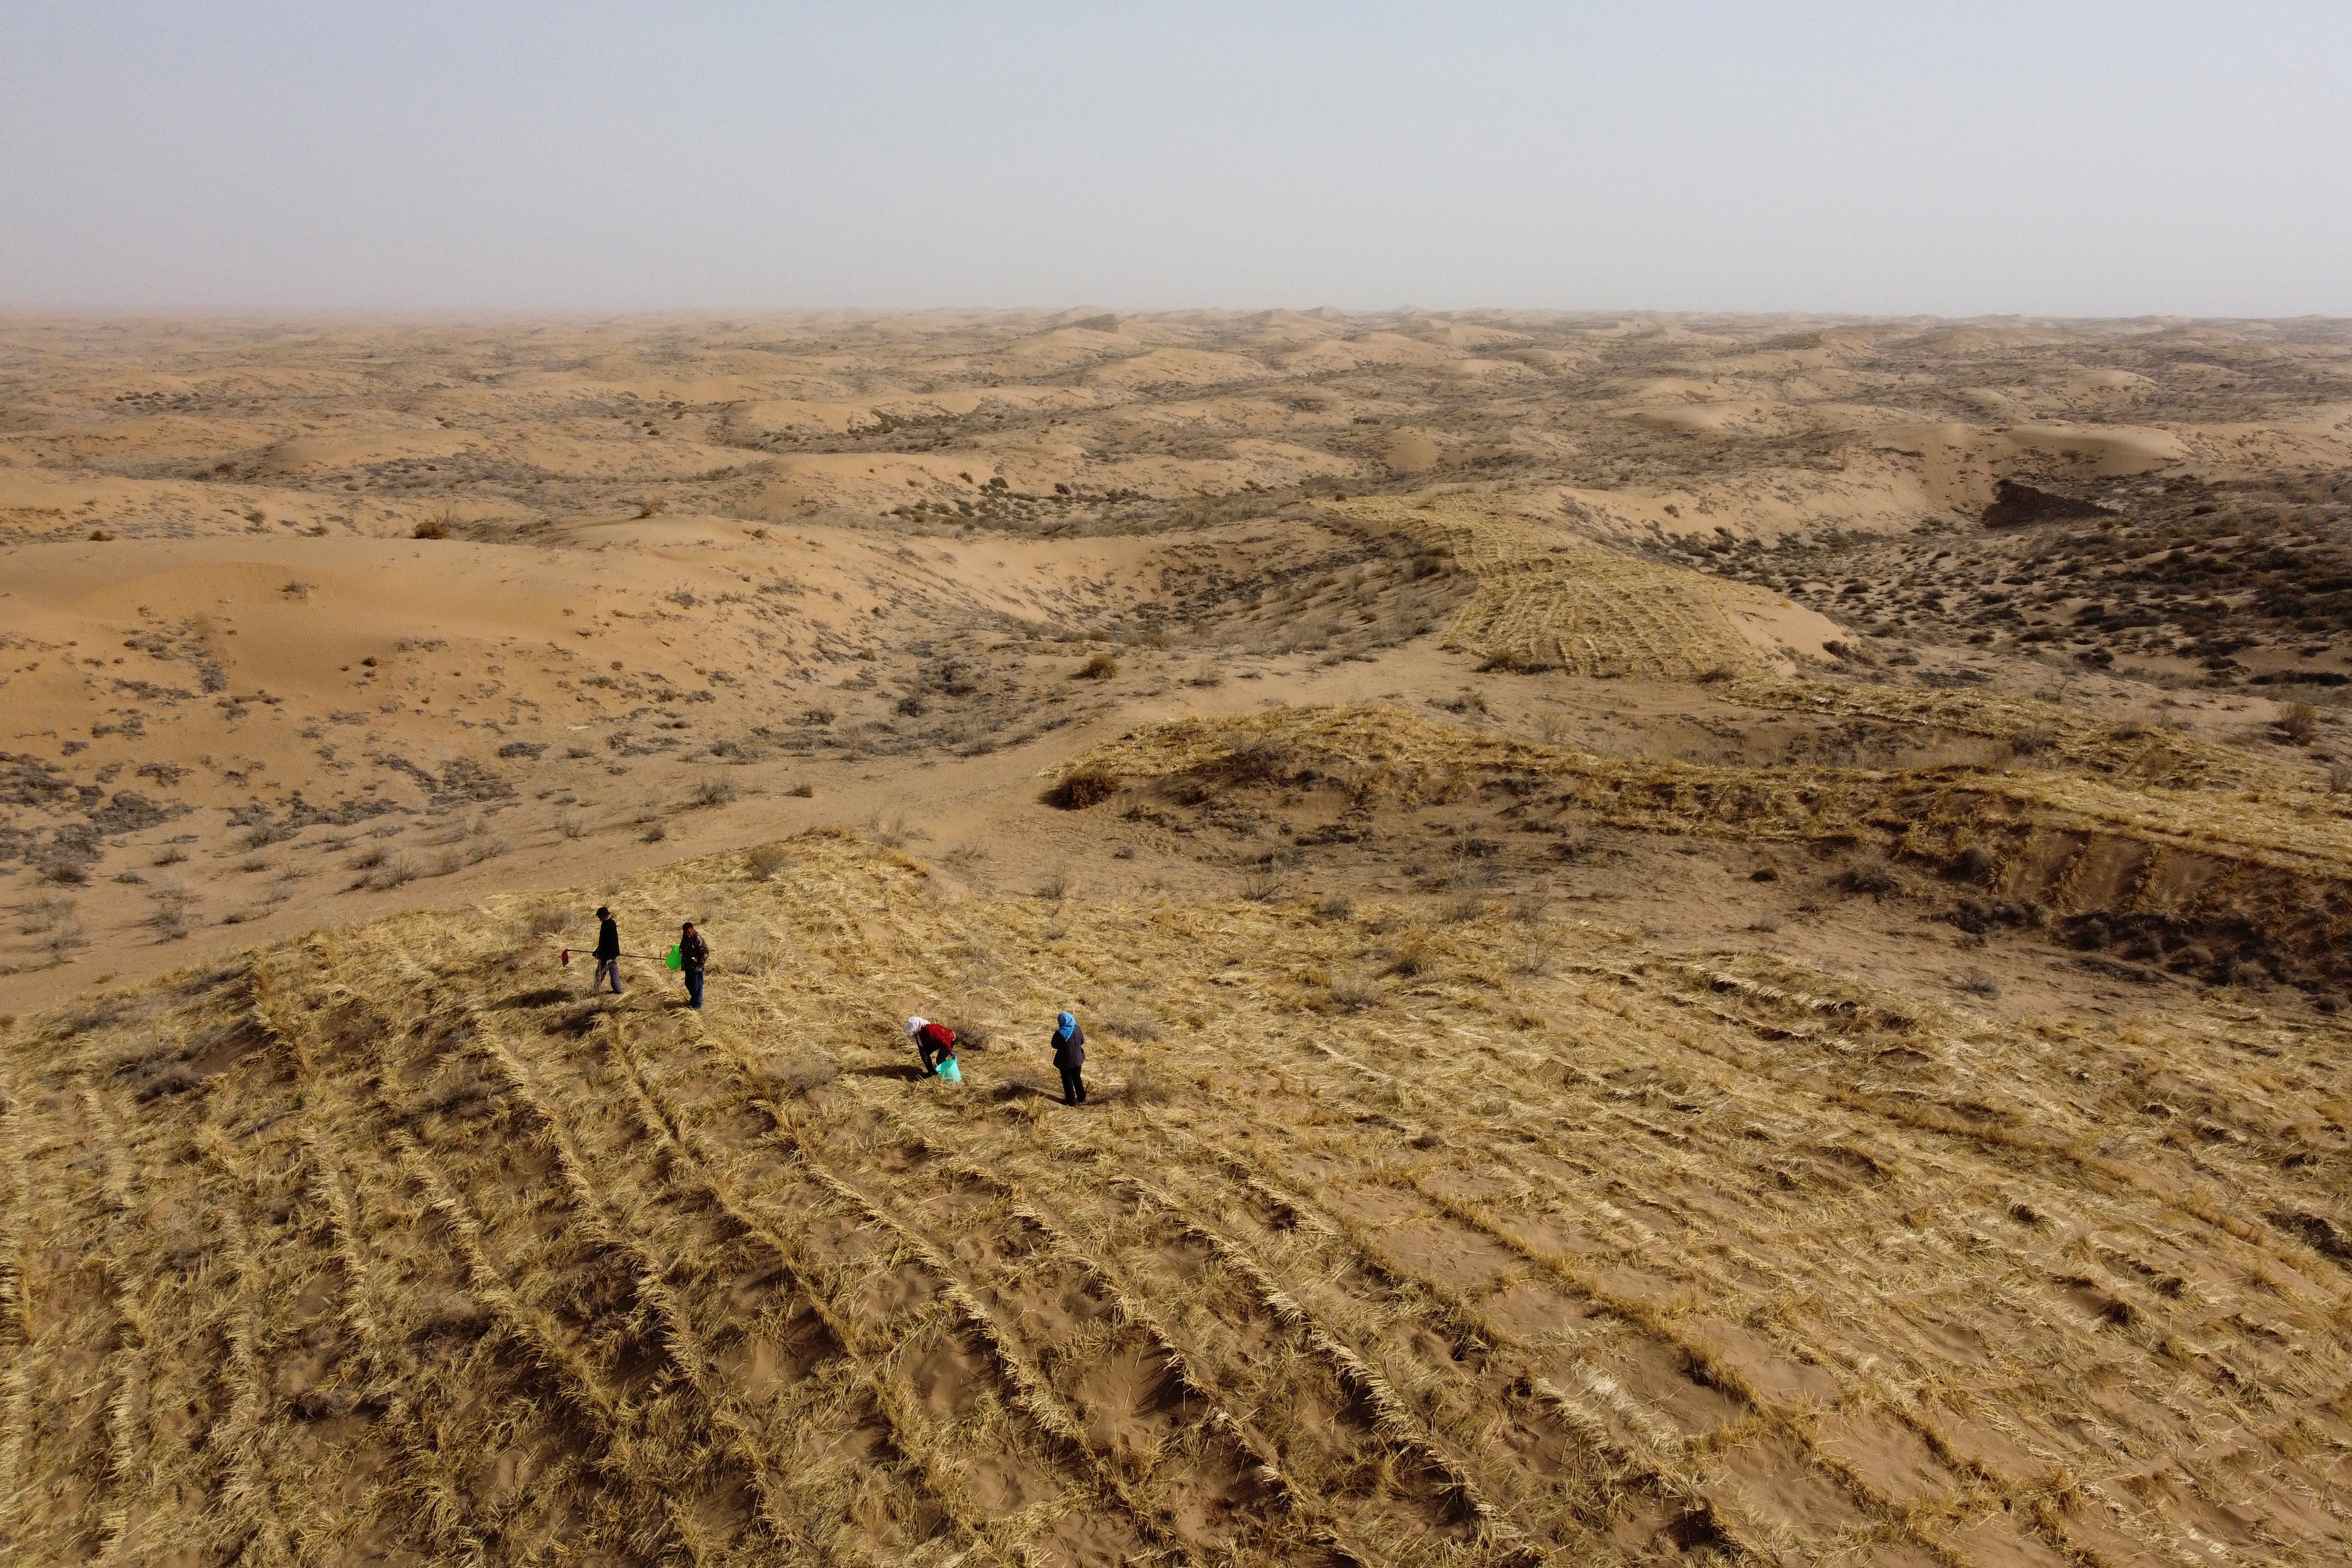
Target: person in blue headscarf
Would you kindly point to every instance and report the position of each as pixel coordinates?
(1070, 1056)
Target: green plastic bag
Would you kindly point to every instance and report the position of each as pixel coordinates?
(676, 960)
(949, 1071)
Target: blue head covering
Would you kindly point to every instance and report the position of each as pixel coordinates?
(1067, 1023)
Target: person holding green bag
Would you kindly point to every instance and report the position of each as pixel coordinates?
(689, 956)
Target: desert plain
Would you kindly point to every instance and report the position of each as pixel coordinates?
(1703, 938)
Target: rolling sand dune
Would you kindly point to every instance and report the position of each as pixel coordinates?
(1703, 939)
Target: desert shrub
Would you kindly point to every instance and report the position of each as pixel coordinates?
(802, 791)
(1263, 887)
(1055, 887)
(1538, 958)
(1873, 876)
(1974, 862)
(713, 792)
(1101, 667)
(894, 831)
(2299, 722)
(2339, 780)
(570, 825)
(765, 860)
(1350, 993)
(1335, 907)
(1075, 791)
(1411, 958)
(387, 872)
(1140, 1026)
(170, 855)
(1977, 983)
(432, 527)
(1142, 1089)
(65, 873)
(1262, 762)
(546, 919)
(47, 912)
(655, 832)
(802, 1077)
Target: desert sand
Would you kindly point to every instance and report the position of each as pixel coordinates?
(1709, 938)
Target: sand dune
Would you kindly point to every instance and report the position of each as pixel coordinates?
(1706, 938)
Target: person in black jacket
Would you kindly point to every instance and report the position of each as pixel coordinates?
(1070, 1056)
(608, 953)
(693, 953)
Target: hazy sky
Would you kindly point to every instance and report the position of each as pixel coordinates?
(2086, 159)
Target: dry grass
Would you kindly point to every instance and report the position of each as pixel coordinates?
(1549, 600)
(384, 1243)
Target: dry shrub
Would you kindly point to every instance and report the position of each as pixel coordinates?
(895, 831)
(1101, 667)
(1412, 957)
(546, 919)
(2299, 722)
(1055, 887)
(1977, 983)
(713, 792)
(655, 832)
(1083, 788)
(1142, 1088)
(1537, 959)
(47, 912)
(1350, 993)
(765, 860)
(801, 1078)
(390, 872)
(433, 527)
(1873, 876)
(570, 825)
(1140, 1026)
(170, 854)
(1264, 887)
(1260, 762)
(1335, 907)
(802, 791)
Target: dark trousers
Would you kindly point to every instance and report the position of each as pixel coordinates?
(694, 988)
(930, 1054)
(607, 969)
(1074, 1086)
